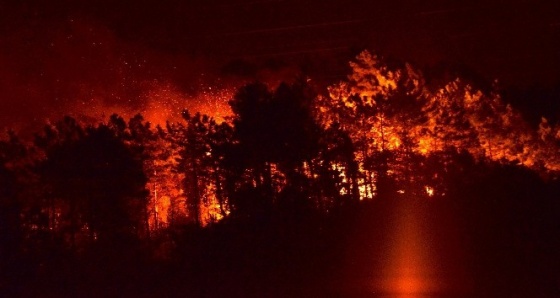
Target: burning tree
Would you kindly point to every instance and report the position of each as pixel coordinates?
(395, 120)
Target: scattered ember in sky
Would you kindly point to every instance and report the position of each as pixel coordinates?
(96, 58)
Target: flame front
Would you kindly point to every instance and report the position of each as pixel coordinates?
(391, 117)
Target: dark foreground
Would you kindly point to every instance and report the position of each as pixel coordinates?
(394, 247)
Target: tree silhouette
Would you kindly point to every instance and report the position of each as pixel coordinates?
(337, 168)
(200, 159)
(382, 110)
(194, 154)
(12, 157)
(275, 137)
(96, 177)
(220, 140)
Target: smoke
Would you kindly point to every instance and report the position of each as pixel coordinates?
(89, 59)
(79, 67)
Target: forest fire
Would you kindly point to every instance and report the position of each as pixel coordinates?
(391, 117)
(244, 183)
(252, 148)
(165, 103)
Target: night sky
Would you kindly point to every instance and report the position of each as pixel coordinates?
(94, 58)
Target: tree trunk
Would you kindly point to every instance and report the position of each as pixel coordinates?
(219, 191)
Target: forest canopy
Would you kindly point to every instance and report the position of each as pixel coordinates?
(384, 128)
(289, 151)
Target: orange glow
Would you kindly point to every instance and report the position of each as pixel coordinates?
(210, 209)
(162, 210)
(371, 108)
(455, 115)
(165, 102)
(429, 191)
(409, 269)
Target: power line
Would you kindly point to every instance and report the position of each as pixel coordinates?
(293, 53)
(295, 27)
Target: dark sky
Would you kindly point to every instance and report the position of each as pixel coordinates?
(96, 57)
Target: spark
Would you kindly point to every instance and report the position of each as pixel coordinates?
(429, 191)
